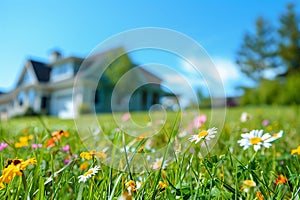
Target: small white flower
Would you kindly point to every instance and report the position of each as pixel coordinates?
(205, 134)
(245, 117)
(91, 172)
(158, 164)
(257, 139)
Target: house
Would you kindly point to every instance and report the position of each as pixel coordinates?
(66, 87)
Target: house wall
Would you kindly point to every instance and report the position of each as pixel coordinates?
(61, 103)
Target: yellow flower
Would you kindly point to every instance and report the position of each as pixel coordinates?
(131, 186)
(247, 184)
(92, 154)
(162, 185)
(23, 141)
(296, 151)
(13, 168)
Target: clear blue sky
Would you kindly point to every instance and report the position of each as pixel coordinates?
(33, 28)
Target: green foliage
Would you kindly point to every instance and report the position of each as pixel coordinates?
(84, 109)
(257, 52)
(274, 92)
(289, 42)
(268, 50)
(219, 175)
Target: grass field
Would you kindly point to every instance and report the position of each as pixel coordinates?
(38, 161)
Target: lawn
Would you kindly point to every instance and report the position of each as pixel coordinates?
(48, 158)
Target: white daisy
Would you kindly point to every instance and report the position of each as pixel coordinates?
(159, 164)
(257, 139)
(245, 117)
(205, 134)
(91, 172)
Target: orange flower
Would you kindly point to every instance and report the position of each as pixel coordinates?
(59, 134)
(84, 166)
(50, 142)
(281, 180)
(56, 135)
(162, 185)
(259, 195)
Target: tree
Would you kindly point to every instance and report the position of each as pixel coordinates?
(289, 43)
(257, 53)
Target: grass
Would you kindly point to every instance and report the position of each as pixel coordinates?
(190, 172)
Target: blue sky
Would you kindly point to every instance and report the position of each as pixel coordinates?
(31, 29)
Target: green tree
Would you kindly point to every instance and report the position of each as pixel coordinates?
(258, 51)
(289, 43)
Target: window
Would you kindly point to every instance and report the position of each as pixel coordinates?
(21, 98)
(61, 72)
(31, 95)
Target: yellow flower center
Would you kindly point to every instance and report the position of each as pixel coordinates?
(88, 172)
(275, 135)
(202, 134)
(255, 140)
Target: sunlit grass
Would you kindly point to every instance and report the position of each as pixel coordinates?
(224, 173)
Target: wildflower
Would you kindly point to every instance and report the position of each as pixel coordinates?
(91, 172)
(126, 117)
(265, 122)
(23, 141)
(162, 185)
(245, 117)
(296, 151)
(66, 148)
(125, 196)
(247, 185)
(92, 154)
(259, 195)
(159, 164)
(277, 135)
(257, 139)
(59, 134)
(36, 146)
(205, 134)
(281, 180)
(84, 166)
(56, 136)
(131, 186)
(199, 121)
(14, 167)
(3, 145)
(67, 161)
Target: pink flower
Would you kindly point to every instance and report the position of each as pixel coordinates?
(67, 161)
(126, 117)
(265, 122)
(3, 145)
(199, 121)
(66, 148)
(35, 146)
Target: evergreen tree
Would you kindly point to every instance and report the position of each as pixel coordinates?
(258, 51)
(289, 41)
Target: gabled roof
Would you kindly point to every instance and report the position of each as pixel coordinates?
(41, 70)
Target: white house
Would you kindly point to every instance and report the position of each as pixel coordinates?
(48, 88)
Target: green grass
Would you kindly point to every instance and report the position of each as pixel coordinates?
(216, 175)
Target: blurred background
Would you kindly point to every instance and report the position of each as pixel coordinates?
(255, 45)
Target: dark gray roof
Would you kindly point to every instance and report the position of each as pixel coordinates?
(41, 70)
